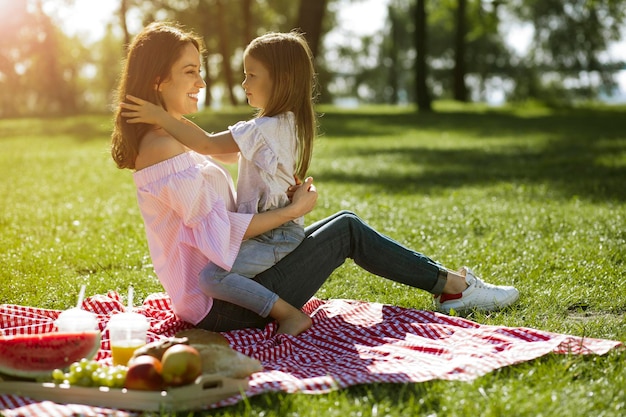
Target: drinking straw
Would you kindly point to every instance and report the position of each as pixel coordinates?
(131, 293)
(81, 296)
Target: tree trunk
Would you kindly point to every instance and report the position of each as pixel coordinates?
(207, 25)
(225, 51)
(310, 18)
(208, 97)
(393, 55)
(247, 21)
(460, 90)
(421, 69)
(123, 10)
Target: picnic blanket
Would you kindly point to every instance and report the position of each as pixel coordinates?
(351, 342)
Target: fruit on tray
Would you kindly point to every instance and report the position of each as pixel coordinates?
(217, 355)
(89, 373)
(144, 373)
(158, 347)
(181, 365)
(36, 356)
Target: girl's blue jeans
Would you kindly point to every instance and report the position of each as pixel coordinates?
(255, 256)
(327, 244)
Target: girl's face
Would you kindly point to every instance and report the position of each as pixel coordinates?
(257, 82)
(180, 90)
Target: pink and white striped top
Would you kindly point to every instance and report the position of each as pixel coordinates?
(189, 211)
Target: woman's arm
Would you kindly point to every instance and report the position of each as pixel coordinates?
(185, 131)
(303, 201)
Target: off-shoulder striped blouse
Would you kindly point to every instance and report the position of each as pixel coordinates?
(188, 205)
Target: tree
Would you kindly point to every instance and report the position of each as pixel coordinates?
(310, 18)
(569, 41)
(16, 44)
(39, 65)
(226, 28)
(123, 11)
(225, 51)
(458, 75)
(248, 23)
(108, 57)
(394, 63)
(421, 68)
(216, 23)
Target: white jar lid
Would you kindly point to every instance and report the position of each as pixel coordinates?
(133, 321)
(76, 320)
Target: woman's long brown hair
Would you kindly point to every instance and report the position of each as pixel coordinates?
(150, 58)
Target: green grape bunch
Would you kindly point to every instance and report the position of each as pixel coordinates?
(89, 373)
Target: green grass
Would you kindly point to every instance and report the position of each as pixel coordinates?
(525, 196)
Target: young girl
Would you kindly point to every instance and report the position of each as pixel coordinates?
(275, 152)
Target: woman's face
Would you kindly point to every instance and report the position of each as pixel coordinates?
(180, 91)
(257, 84)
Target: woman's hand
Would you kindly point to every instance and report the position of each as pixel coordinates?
(142, 111)
(291, 190)
(303, 201)
(303, 196)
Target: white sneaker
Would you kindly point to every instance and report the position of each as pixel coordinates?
(478, 296)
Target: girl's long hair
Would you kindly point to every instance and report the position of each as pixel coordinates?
(150, 58)
(289, 60)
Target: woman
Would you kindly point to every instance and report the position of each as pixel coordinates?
(188, 205)
(275, 149)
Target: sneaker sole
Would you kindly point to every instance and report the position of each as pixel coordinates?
(460, 307)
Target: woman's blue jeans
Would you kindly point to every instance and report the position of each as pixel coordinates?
(328, 243)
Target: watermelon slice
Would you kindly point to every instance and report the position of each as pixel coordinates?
(37, 355)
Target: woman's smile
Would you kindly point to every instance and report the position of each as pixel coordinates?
(180, 91)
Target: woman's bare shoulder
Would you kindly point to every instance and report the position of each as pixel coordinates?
(157, 146)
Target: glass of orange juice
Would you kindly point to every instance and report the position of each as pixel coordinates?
(127, 332)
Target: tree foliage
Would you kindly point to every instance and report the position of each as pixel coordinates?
(567, 57)
(467, 49)
(451, 49)
(39, 65)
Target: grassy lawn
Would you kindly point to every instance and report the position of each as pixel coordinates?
(528, 197)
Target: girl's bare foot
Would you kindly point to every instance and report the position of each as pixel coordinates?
(294, 324)
(291, 320)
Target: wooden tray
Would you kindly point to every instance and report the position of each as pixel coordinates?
(207, 390)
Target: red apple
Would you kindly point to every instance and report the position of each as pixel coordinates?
(181, 365)
(144, 373)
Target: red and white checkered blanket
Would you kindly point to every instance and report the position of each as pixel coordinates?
(350, 342)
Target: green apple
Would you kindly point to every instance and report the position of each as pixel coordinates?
(181, 365)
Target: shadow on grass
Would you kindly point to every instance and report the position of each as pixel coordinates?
(578, 154)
